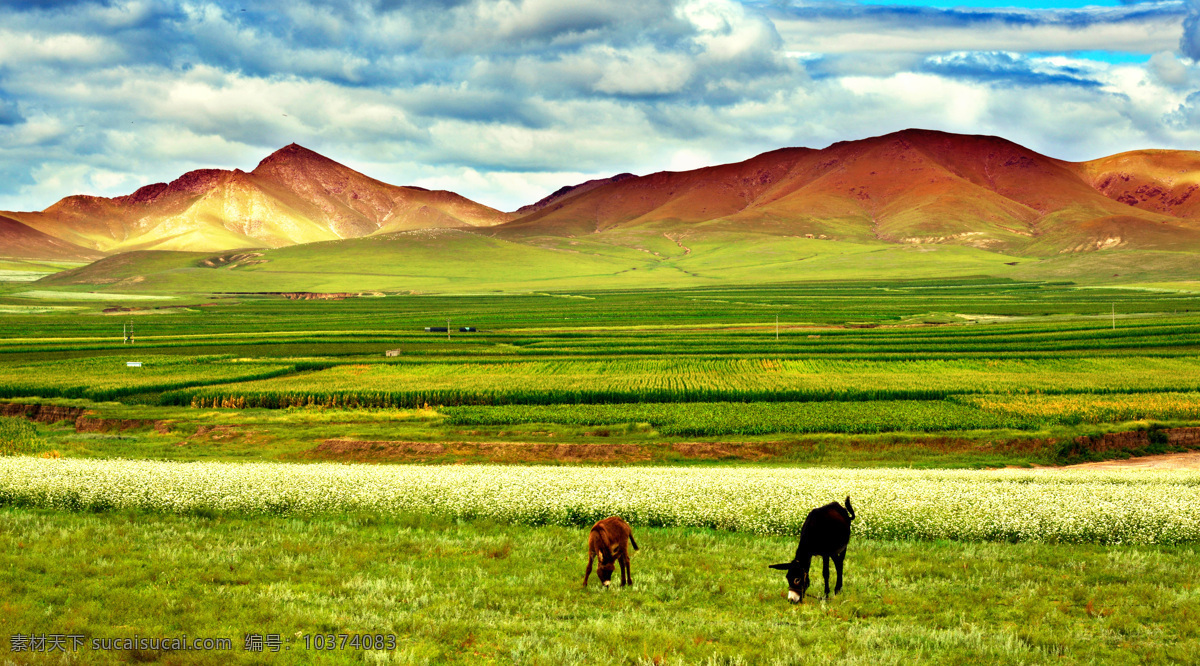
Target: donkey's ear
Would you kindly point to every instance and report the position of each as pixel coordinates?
(783, 567)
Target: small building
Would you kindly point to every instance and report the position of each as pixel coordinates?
(133, 364)
(392, 352)
(468, 329)
(436, 329)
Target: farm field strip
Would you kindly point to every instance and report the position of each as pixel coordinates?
(1007, 505)
(183, 326)
(955, 413)
(878, 343)
(819, 303)
(105, 378)
(698, 380)
(753, 418)
(371, 334)
(1075, 409)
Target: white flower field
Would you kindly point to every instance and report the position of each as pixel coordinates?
(1136, 507)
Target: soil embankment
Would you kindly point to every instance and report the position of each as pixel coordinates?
(83, 419)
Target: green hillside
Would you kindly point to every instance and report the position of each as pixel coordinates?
(460, 261)
(456, 261)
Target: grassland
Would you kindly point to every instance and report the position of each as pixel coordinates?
(454, 261)
(654, 256)
(476, 591)
(923, 373)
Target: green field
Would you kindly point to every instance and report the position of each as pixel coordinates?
(482, 592)
(993, 364)
(688, 410)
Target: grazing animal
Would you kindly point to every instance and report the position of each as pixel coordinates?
(607, 540)
(826, 532)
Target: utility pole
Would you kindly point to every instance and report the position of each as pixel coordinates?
(1114, 315)
(776, 328)
(447, 330)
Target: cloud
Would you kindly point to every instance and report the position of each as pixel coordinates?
(1168, 69)
(854, 28)
(508, 100)
(1007, 68)
(1189, 43)
(9, 113)
(18, 48)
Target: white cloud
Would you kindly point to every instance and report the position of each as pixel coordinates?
(726, 31)
(891, 34)
(505, 101)
(1169, 69)
(18, 48)
(948, 103)
(687, 159)
(643, 71)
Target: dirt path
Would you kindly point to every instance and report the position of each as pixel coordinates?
(686, 250)
(1189, 460)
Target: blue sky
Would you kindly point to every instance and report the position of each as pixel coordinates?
(505, 101)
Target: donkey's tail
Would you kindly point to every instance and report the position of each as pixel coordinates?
(633, 541)
(849, 509)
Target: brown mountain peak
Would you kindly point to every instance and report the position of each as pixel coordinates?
(191, 183)
(292, 155)
(567, 191)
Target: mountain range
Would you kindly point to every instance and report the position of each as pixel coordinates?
(293, 196)
(914, 187)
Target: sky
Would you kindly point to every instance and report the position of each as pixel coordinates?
(505, 101)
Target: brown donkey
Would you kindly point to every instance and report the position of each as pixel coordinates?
(607, 540)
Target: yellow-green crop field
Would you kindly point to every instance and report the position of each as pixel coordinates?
(107, 377)
(265, 471)
(1108, 408)
(683, 380)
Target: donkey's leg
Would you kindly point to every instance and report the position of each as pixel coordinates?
(825, 571)
(837, 562)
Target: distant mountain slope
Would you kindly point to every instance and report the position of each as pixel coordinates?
(22, 242)
(911, 187)
(293, 196)
(568, 191)
(1160, 181)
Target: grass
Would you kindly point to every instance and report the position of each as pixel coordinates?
(456, 261)
(296, 435)
(139, 431)
(475, 592)
(20, 437)
(467, 592)
(52, 295)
